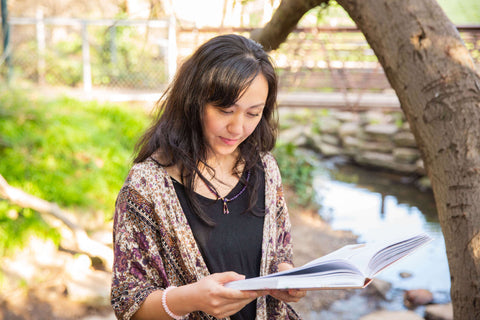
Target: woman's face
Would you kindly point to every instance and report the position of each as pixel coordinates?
(226, 128)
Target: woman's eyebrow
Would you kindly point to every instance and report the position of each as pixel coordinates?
(261, 104)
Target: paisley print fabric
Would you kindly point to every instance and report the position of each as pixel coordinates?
(154, 246)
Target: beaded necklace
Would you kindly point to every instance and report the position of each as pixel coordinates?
(225, 199)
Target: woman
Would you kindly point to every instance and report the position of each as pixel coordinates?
(203, 203)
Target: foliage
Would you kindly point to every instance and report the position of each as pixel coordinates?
(297, 173)
(17, 224)
(65, 62)
(74, 153)
(461, 12)
(125, 57)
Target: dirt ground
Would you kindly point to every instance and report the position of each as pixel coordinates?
(49, 298)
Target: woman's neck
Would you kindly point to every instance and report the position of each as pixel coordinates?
(222, 172)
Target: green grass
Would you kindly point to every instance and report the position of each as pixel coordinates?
(70, 152)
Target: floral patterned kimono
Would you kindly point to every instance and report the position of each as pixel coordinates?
(154, 246)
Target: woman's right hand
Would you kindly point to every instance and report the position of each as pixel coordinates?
(215, 299)
(208, 295)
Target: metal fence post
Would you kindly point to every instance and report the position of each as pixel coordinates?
(172, 48)
(40, 28)
(87, 68)
(6, 40)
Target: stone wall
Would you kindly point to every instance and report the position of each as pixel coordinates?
(369, 138)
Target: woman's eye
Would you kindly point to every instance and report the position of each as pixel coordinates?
(225, 110)
(254, 114)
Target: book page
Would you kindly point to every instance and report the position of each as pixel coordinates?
(370, 258)
(327, 274)
(352, 266)
(358, 255)
(390, 254)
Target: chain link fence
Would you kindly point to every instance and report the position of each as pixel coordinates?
(143, 54)
(93, 53)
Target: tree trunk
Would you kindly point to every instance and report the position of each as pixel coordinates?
(283, 22)
(438, 86)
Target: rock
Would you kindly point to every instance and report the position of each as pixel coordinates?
(406, 126)
(380, 287)
(405, 275)
(439, 312)
(86, 285)
(92, 288)
(420, 167)
(424, 183)
(383, 160)
(417, 297)
(381, 131)
(406, 155)
(346, 116)
(349, 129)
(351, 142)
(329, 151)
(384, 146)
(404, 139)
(330, 139)
(392, 315)
(351, 146)
(293, 135)
(328, 125)
(315, 141)
(372, 117)
(375, 159)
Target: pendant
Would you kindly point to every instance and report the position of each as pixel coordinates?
(225, 207)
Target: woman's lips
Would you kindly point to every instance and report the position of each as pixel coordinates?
(229, 141)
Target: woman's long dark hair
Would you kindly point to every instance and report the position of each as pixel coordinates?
(218, 72)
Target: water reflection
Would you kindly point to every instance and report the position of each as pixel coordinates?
(375, 204)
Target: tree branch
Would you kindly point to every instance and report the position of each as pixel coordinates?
(283, 22)
(83, 242)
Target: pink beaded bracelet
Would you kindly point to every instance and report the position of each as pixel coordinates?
(164, 304)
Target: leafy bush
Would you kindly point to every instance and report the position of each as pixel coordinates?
(74, 153)
(297, 173)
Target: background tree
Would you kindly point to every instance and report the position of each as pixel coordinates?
(438, 87)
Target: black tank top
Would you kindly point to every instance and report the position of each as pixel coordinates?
(235, 242)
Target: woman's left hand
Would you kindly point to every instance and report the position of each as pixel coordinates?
(290, 295)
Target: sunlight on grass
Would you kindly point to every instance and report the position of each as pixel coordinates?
(71, 152)
(66, 151)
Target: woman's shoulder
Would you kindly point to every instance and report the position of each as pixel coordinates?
(269, 161)
(145, 172)
(270, 165)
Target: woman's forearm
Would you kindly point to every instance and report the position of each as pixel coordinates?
(208, 295)
(179, 301)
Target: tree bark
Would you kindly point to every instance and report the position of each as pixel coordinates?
(438, 87)
(283, 22)
(83, 242)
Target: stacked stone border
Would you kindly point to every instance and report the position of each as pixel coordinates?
(371, 138)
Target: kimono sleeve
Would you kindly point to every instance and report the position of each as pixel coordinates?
(284, 250)
(138, 269)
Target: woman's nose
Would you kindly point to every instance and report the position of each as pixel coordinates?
(236, 125)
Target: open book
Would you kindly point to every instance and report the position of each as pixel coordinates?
(352, 266)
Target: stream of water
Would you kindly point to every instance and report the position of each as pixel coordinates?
(375, 204)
